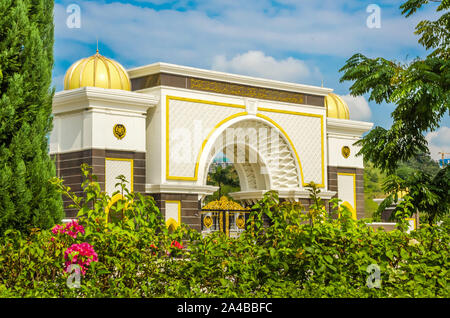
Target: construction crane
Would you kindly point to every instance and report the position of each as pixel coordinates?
(443, 161)
(444, 153)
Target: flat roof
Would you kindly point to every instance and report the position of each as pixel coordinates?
(192, 72)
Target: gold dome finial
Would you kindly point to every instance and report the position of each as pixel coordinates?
(97, 71)
(336, 107)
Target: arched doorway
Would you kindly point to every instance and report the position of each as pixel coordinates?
(261, 154)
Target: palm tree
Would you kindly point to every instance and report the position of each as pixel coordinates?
(223, 176)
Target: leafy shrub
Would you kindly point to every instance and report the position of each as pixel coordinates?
(302, 254)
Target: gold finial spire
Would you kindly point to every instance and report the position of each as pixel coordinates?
(97, 45)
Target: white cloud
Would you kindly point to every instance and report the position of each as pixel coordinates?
(439, 141)
(440, 137)
(218, 27)
(256, 63)
(199, 34)
(358, 107)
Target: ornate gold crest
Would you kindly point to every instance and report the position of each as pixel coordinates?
(207, 221)
(346, 151)
(119, 131)
(240, 221)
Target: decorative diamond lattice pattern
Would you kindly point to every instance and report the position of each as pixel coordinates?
(306, 135)
(271, 147)
(114, 168)
(189, 124)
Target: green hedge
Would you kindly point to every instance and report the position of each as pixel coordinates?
(299, 255)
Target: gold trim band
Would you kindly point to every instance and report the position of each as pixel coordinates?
(283, 132)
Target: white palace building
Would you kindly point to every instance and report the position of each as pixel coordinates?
(161, 126)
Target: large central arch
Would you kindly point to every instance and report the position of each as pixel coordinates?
(262, 155)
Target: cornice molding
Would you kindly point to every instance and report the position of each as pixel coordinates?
(347, 127)
(159, 67)
(293, 194)
(176, 188)
(94, 97)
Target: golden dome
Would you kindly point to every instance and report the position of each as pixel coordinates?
(97, 71)
(336, 107)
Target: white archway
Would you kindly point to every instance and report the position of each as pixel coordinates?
(252, 174)
(262, 155)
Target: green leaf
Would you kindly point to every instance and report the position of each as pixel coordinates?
(389, 254)
(272, 252)
(309, 249)
(328, 258)
(404, 254)
(331, 267)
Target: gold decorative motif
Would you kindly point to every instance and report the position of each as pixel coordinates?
(345, 151)
(221, 221)
(227, 223)
(224, 204)
(247, 91)
(240, 221)
(119, 131)
(207, 221)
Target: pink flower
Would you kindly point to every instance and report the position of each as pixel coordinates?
(72, 229)
(57, 228)
(82, 254)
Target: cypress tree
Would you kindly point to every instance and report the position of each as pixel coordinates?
(27, 199)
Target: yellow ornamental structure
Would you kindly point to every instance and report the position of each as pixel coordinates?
(97, 71)
(336, 107)
(224, 204)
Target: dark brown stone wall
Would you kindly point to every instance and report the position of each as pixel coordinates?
(68, 167)
(359, 182)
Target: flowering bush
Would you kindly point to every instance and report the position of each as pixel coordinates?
(175, 248)
(154, 249)
(176, 244)
(81, 254)
(299, 255)
(72, 229)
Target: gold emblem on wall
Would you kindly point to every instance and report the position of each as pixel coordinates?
(240, 221)
(119, 131)
(207, 221)
(346, 151)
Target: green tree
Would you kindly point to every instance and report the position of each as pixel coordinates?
(226, 179)
(427, 193)
(27, 198)
(422, 162)
(374, 178)
(420, 89)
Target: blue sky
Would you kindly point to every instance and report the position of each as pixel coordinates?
(301, 41)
